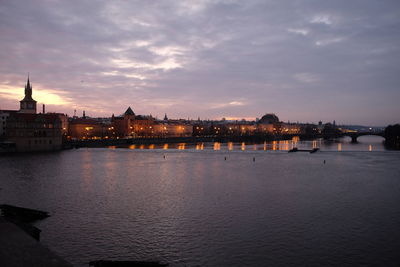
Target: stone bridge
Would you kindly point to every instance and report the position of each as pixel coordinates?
(354, 136)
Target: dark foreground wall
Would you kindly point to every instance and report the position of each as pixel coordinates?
(17, 248)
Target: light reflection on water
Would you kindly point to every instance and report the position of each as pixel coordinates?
(217, 146)
(366, 143)
(213, 208)
(191, 205)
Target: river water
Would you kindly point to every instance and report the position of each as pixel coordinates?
(215, 204)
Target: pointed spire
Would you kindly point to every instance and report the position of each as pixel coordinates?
(28, 90)
(28, 85)
(129, 111)
(28, 104)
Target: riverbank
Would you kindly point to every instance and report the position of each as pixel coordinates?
(17, 248)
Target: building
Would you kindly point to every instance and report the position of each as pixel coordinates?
(34, 132)
(130, 125)
(223, 128)
(291, 128)
(123, 125)
(268, 124)
(28, 105)
(4, 114)
(29, 131)
(87, 128)
(172, 128)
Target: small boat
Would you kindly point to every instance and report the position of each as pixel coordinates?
(295, 149)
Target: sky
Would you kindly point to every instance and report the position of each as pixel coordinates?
(303, 60)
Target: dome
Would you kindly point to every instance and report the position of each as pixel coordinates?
(269, 118)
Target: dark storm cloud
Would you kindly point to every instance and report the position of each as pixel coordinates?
(304, 60)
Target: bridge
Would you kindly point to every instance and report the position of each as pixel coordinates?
(355, 135)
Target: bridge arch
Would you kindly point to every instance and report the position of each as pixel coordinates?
(354, 136)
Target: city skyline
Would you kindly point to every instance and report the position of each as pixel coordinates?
(304, 61)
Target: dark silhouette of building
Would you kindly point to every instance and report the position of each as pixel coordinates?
(269, 118)
(28, 104)
(30, 131)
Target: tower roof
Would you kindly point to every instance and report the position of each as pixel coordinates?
(129, 111)
(28, 92)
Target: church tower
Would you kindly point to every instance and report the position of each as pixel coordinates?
(28, 105)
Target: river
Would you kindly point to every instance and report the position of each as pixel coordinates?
(215, 204)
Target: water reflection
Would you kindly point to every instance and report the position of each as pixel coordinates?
(181, 146)
(199, 146)
(284, 145)
(87, 171)
(314, 144)
(230, 145)
(369, 143)
(274, 145)
(217, 146)
(183, 205)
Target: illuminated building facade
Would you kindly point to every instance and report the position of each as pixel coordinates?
(86, 128)
(224, 128)
(173, 128)
(130, 125)
(269, 124)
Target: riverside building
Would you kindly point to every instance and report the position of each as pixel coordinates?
(28, 130)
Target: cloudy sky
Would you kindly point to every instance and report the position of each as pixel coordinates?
(303, 60)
